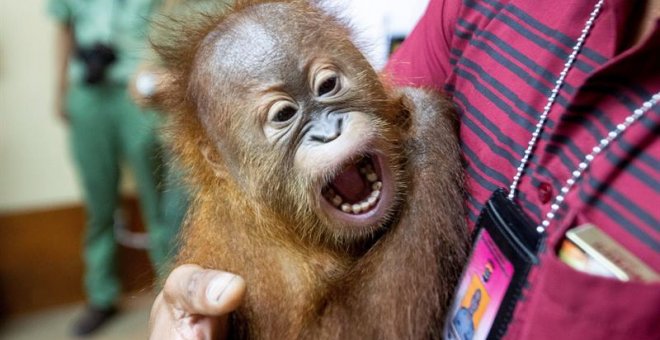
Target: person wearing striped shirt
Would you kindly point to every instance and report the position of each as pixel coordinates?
(499, 60)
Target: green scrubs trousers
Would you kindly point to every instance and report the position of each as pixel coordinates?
(106, 129)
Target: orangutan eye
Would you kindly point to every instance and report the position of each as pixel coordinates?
(282, 111)
(285, 114)
(328, 83)
(327, 86)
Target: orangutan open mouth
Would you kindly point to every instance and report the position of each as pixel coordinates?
(356, 194)
(356, 189)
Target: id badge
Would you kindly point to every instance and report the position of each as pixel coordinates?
(504, 250)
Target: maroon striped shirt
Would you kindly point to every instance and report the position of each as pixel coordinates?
(499, 60)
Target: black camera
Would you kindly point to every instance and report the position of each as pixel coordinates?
(97, 59)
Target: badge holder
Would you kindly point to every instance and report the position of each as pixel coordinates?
(505, 248)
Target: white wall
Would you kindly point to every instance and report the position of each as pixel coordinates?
(375, 21)
(35, 166)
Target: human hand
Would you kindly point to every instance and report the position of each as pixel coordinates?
(195, 304)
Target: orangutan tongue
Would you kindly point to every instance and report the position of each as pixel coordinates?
(350, 185)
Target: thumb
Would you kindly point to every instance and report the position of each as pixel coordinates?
(195, 290)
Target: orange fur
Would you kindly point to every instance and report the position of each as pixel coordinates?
(251, 213)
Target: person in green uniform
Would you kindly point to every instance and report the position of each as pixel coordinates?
(100, 44)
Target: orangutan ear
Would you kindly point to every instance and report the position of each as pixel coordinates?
(214, 160)
(406, 106)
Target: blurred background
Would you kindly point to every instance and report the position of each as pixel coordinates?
(42, 216)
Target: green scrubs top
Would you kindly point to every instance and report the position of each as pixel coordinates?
(123, 24)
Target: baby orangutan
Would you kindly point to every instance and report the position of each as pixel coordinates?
(337, 198)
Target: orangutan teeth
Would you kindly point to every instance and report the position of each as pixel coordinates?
(374, 183)
(368, 171)
(359, 207)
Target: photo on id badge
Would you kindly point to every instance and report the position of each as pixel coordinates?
(481, 291)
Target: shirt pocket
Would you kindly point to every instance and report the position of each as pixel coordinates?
(569, 304)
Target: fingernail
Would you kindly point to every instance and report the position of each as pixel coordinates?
(218, 286)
